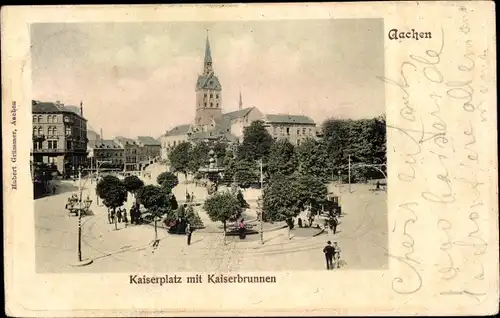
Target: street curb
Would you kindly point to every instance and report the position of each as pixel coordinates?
(220, 232)
(319, 233)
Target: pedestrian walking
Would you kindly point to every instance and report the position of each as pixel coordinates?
(110, 216)
(119, 215)
(329, 251)
(242, 229)
(334, 224)
(125, 219)
(336, 255)
(189, 232)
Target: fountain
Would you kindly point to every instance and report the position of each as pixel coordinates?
(212, 172)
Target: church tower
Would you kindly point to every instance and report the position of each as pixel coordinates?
(208, 92)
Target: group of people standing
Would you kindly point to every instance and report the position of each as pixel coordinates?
(121, 215)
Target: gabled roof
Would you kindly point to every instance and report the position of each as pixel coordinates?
(125, 140)
(104, 144)
(238, 113)
(213, 135)
(209, 81)
(289, 119)
(178, 130)
(73, 109)
(46, 107)
(148, 141)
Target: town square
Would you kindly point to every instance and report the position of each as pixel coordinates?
(246, 187)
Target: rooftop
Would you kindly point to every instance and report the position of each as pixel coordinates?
(288, 119)
(178, 130)
(50, 107)
(148, 141)
(103, 144)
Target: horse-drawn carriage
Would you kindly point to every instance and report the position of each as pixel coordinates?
(332, 205)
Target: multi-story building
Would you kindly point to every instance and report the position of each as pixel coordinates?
(295, 128)
(59, 136)
(106, 154)
(130, 153)
(149, 150)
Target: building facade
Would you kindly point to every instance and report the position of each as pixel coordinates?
(59, 136)
(106, 154)
(130, 153)
(295, 128)
(149, 150)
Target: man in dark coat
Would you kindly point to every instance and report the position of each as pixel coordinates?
(329, 251)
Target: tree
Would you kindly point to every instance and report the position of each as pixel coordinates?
(198, 157)
(244, 172)
(282, 159)
(256, 142)
(223, 207)
(281, 201)
(113, 193)
(312, 159)
(167, 180)
(363, 140)
(133, 184)
(188, 213)
(179, 157)
(311, 191)
(156, 201)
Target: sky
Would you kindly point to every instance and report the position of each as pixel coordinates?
(138, 79)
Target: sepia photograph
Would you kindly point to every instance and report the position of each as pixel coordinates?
(209, 146)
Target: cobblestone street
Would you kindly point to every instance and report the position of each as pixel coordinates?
(362, 234)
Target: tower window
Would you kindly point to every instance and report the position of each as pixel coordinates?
(211, 82)
(217, 96)
(211, 104)
(217, 104)
(211, 95)
(205, 94)
(205, 104)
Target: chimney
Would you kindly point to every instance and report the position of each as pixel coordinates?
(81, 108)
(102, 137)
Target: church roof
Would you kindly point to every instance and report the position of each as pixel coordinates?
(289, 119)
(178, 130)
(238, 113)
(209, 81)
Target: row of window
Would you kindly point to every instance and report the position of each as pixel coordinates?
(212, 95)
(50, 118)
(211, 104)
(51, 131)
(282, 130)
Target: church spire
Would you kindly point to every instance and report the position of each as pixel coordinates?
(208, 54)
(240, 105)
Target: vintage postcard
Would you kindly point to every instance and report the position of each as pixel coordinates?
(250, 159)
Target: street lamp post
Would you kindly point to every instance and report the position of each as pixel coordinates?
(98, 164)
(86, 206)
